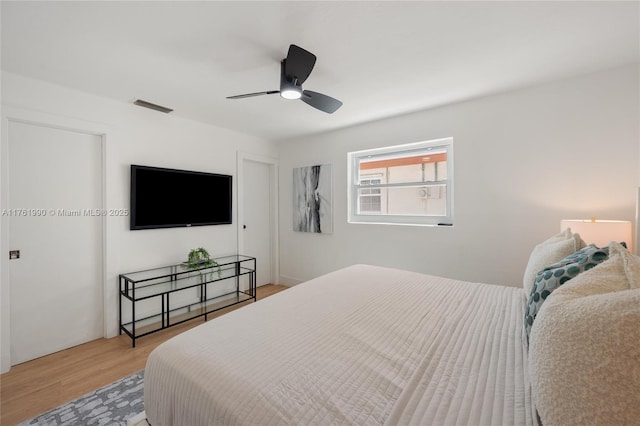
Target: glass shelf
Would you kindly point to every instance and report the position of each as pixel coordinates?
(180, 269)
(154, 286)
(178, 315)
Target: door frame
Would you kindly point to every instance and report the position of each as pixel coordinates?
(636, 240)
(272, 163)
(20, 115)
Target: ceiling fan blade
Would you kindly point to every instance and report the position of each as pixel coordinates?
(319, 101)
(299, 63)
(250, 95)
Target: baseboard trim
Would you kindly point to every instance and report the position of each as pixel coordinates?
(289, 281)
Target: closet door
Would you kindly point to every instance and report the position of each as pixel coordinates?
(257, 226)
(55, 184)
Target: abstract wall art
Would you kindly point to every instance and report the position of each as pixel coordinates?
(312, 202)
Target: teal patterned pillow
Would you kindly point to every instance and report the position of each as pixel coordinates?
(553, 276)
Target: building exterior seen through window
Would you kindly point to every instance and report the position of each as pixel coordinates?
(404, 184)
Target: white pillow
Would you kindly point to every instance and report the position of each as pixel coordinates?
(563, 235)
(584, 348)
(548, 252)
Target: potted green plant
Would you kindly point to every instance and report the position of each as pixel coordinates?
(199, 259)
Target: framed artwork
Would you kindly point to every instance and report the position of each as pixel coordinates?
(312, 199)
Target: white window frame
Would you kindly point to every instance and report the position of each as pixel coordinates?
(353, 167)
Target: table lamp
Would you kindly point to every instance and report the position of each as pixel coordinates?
(600, 232)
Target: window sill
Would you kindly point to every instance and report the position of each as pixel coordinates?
(430, 225)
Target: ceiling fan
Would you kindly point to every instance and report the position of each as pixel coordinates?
(294, 70)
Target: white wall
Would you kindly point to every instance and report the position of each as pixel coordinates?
(133, 135)
(524, 160)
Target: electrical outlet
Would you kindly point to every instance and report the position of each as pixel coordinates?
(14, 254)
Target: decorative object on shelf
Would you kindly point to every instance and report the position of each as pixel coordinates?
(199, 258)
(312, 199)
(600, 232)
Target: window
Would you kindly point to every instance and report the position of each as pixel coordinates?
(408, 184)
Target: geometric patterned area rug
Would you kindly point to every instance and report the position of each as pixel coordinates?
(113, 404)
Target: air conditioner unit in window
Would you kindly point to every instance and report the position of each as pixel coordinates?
(429, 192)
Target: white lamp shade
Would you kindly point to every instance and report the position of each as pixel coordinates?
(599, 232)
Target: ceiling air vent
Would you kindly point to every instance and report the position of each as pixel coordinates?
(149, 105)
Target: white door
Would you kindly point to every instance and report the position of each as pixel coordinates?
(258, 217)
(55, 187)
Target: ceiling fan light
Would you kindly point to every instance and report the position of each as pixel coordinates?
(291, 93)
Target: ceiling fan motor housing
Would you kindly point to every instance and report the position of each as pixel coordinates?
(289, 89)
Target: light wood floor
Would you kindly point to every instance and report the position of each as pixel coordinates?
(37, 386)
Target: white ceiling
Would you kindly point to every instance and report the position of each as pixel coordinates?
(380, 58)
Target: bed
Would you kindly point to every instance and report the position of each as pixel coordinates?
(368, 345)
(362, 345)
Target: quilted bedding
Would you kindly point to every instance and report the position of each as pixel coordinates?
(363, 345)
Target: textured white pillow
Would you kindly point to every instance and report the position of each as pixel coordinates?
(584, 350)
(563, 235)
(548, 252)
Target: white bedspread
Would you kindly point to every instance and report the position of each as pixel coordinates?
(363, 345)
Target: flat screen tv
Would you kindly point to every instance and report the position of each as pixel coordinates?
(169, 198)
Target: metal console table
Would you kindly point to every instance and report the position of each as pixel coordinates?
(163, 297)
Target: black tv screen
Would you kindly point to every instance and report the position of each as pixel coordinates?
(169, 198)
